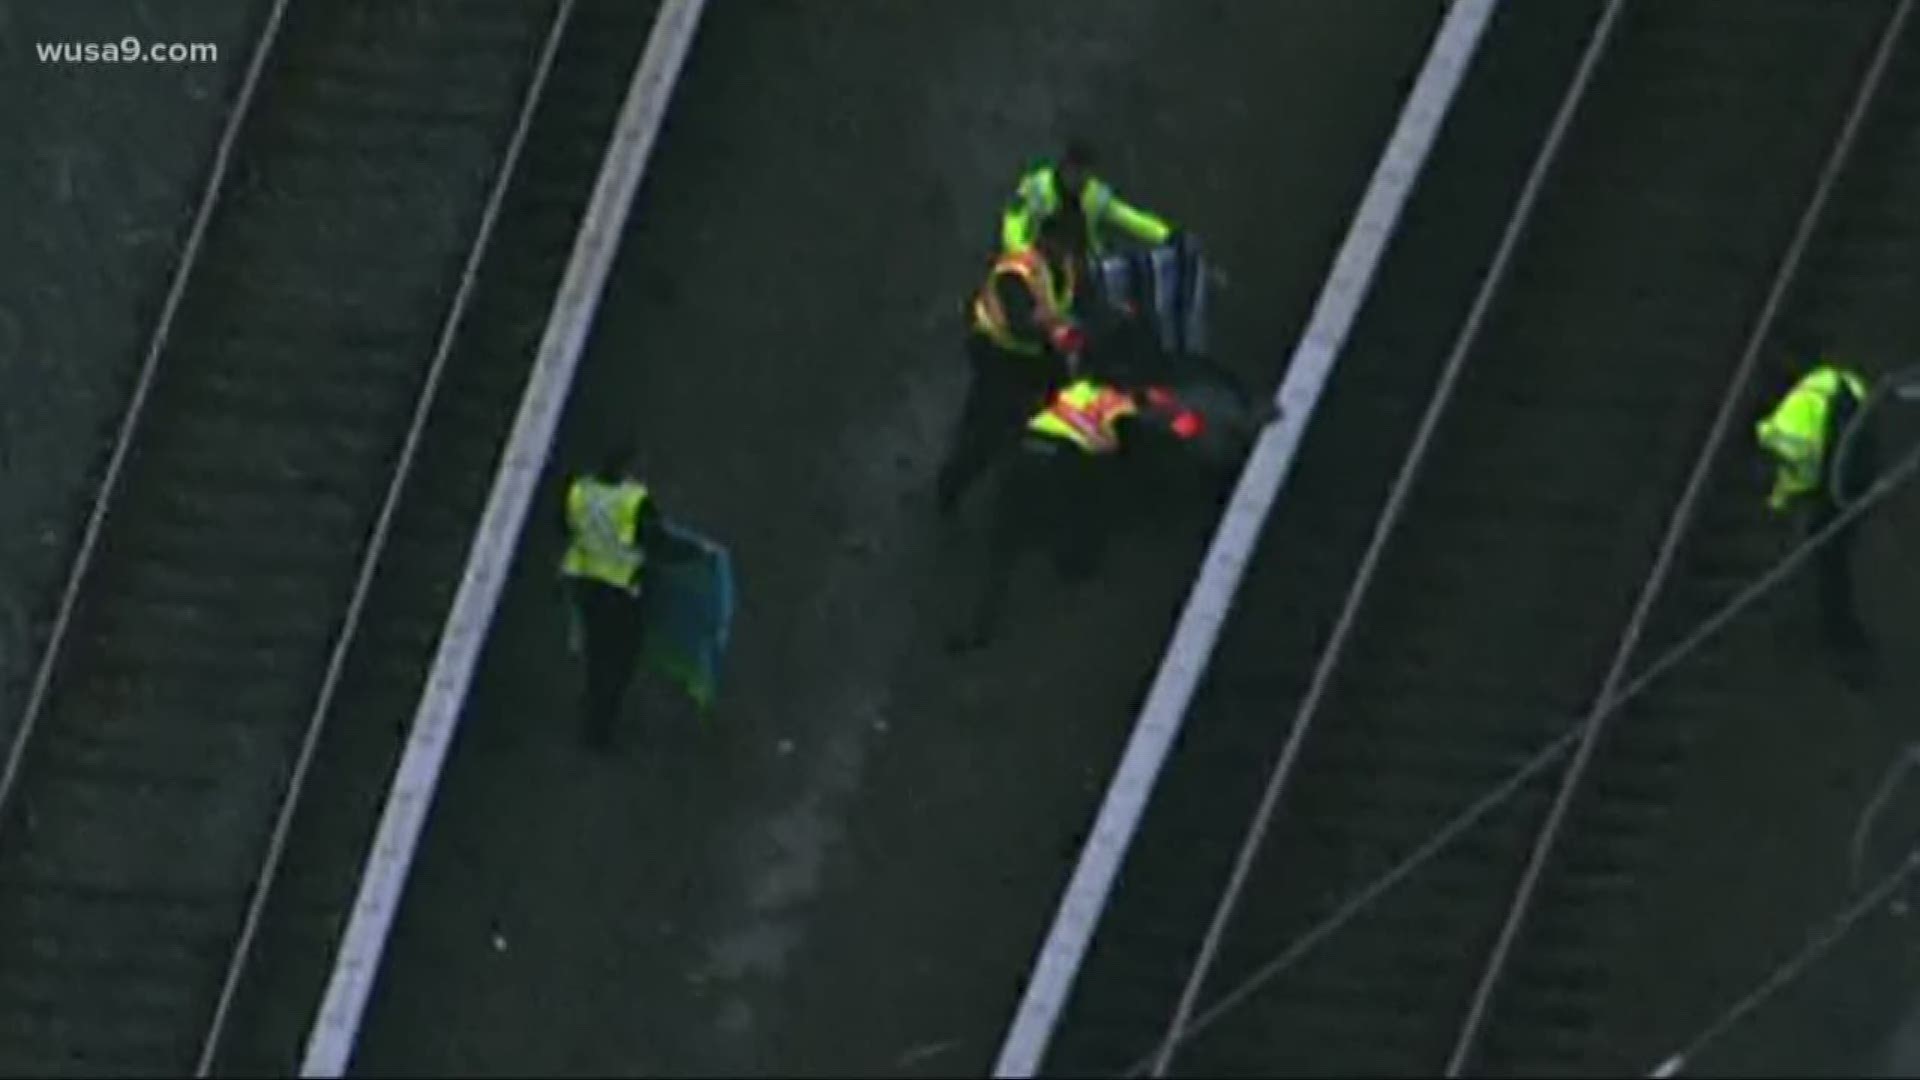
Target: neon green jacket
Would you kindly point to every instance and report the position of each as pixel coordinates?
(1038, 197)
(604, 523)
(1797, 432)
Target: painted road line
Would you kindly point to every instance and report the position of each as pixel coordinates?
(1208, 602)
(337, 1026)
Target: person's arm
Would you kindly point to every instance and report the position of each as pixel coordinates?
(1138, 223)
(1023, 318)
(1017, 225)
(1788, 482)
(656, 541)
(1165, 410)
(1795, 464)
(1023, 312)
(1020, 221)
(564, 522)
(1796, 471)
(1153, 427)
(1861, 467)
(1111, 209)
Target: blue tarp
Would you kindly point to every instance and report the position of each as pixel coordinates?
(1172, 281)
(689, 613)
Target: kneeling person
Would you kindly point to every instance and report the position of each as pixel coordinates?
(1058, 486)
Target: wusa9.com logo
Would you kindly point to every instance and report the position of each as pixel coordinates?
(128, 50)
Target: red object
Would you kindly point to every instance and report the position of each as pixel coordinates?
(1186, 423)
(1069, 339)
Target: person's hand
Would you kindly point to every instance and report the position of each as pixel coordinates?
(1068, 340)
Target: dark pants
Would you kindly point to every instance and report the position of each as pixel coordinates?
(610, 621)
(1051, 497)
(1844, 630)
(1839, 615)
(1004, 392)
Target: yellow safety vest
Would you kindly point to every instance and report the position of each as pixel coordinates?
(1796, 431)
(1085, 414)
(603, 519)
(1038, 197)
(1053, 297)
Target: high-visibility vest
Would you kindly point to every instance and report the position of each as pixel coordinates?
(1038, 197)
(602, 520)
(1085, 414)
(1796, 431)
(1052, 297)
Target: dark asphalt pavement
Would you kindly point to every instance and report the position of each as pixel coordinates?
(848, 871)
(107, 164)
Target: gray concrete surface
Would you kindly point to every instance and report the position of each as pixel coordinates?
(107, 162)
(848, 870)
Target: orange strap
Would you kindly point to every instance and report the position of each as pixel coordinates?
(1094, 421)
(1034, 273)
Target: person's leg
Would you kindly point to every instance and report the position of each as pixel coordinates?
(1839, 613)
(981, 427)
(614, 631)
(600, 692)
(630, 635)
(1862, 463)
(1016, 506)
(1843, 631)
(1079, 514)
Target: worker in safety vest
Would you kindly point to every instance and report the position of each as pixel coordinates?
(1069, 185)
(1022, 343)
(1059, 486)
(1801, 435)
(612, 530)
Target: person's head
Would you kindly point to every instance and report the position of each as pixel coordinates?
(1801, 346)
(620, 460)
(1062, 237)
(1075, 168)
